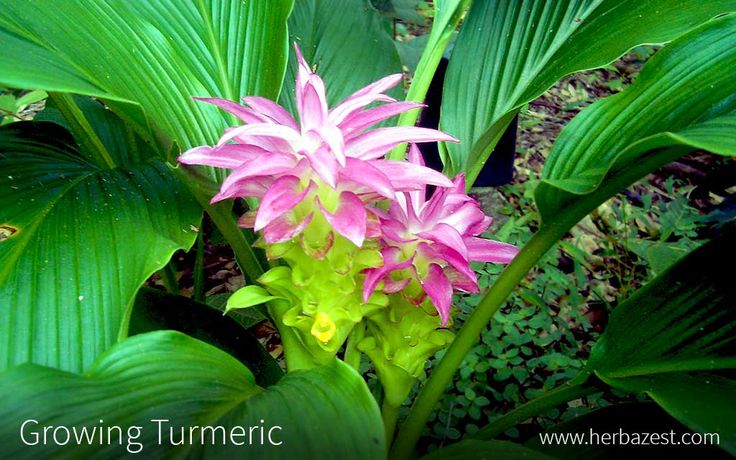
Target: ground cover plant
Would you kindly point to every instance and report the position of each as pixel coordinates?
(164, 163)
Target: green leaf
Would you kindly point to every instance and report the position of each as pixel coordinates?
(509, 52)
(659, 255)
(682, 100)
(248, 296)
(348, 43)
(155, 310)
(31, 97)
(404, 10)
(473, 448)
(674, 340)
(156, 54)
(447, 16)
(82, 239)
(324, 412)
(703, 401)
(7, 103)
(246, 318)
(411, 51)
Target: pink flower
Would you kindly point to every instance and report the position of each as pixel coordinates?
(327, 161)
(433, 242)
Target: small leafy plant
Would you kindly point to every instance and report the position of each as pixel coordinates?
(11, 107)
(329, 217)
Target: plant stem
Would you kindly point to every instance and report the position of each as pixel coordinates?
(566, 215)
(442, 375)
(439, 38)
(199, 268)
(352, 354)
(168, 277)
(86, 135)
(222, 217)
(418, 92)
(244, 255)
(389, 414)
(546, 401)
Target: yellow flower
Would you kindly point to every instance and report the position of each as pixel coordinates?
(323, 328)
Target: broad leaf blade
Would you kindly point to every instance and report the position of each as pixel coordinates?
(83, 241)
(411, 51)
(674, 339)
(348, 43)
(405, 10)
(323, 412)
(509, 52)
(155, 310)
(46, 70)
(682, 100)
(703, 401)
(156, 54)
(684, 320)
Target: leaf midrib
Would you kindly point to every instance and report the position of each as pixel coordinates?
(672, 366)
(216, 51)
(479, 146)
(36, 223)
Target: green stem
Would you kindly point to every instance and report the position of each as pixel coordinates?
(553, 398)
(390, 415)
(247, 260)
(80, 126)
(567, 214)
(222, 216)
(418, 92)
(216, 50)
(199, 268)
(442, 375)
(550, 232)
(352, 354)
(168, 277)
(426, 68)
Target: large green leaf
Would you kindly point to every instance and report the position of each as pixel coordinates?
(404, 10)
(510, 51)
(675, 340)
(326, 412)
(684, 99)
(411, 51)
(82, 239)
(346, 41)
(155, 310)
(157, 54)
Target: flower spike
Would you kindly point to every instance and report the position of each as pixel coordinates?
(327, 160)
(438, 238)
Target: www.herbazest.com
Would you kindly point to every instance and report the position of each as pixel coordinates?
(622, 438)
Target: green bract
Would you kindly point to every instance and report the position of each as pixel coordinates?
(324, 295)
(399, 341)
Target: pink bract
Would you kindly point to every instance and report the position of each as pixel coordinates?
(433, 242)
